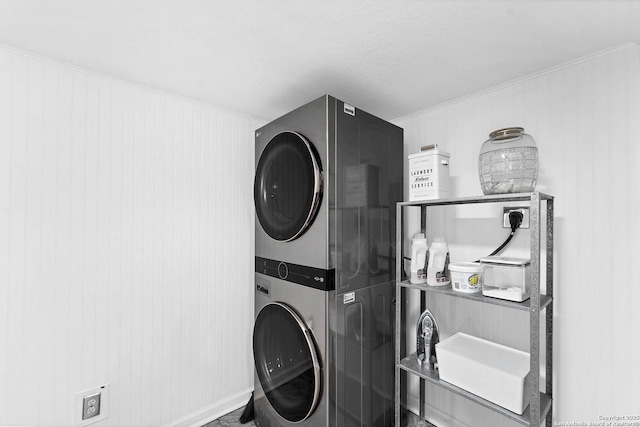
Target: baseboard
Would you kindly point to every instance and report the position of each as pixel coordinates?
(213, 412)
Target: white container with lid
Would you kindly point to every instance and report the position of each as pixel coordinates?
(466, 277)
(429, 174)
(492, 371)
(506, 278)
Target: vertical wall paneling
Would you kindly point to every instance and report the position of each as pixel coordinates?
(126, 225)
(584, 119)
(126, 222)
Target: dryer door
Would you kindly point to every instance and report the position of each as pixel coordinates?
(287, 362)
(288, 186)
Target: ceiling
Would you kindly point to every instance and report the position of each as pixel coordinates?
(265, 57)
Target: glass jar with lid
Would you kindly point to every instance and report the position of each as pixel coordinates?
(508, 162)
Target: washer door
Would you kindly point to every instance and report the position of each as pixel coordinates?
(288, 186)
(287, 362)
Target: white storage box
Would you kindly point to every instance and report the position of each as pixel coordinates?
(492, 371)
(429, 174)
(506, 278)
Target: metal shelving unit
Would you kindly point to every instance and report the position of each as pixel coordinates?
(540, 406)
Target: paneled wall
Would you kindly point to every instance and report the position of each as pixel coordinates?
(585, 119)
(126, 256)
(126, 230)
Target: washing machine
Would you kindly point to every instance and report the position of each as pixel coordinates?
(327, 179)
(290, 345)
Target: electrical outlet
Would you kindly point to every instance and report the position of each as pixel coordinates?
(91, 406)
(525, 216)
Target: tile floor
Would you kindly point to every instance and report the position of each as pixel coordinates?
(230, 420)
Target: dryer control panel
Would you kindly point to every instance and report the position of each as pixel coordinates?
(308, 276)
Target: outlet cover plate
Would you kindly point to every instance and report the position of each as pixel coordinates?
(525, 216)
(82, 399)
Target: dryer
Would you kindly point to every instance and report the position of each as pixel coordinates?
(327, 180)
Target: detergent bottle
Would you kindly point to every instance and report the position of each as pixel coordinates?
(438, 267)
(419, 251)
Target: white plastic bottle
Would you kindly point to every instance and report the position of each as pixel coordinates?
(438, 267)
(419, 251)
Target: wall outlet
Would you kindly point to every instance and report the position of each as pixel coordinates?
(525, 216)
(91, 406)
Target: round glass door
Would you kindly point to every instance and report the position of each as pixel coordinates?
(288, 186)
(286, 361)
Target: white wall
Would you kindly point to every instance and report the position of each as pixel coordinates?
(126, 223)
(585, 118)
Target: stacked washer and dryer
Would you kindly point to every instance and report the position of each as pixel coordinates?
(327, 180)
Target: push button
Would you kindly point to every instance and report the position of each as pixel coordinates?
(283, 270)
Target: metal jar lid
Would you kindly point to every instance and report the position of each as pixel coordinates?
(506, 133)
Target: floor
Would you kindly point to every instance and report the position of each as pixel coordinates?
(230, 420)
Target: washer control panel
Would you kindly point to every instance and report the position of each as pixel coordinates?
(300, 274)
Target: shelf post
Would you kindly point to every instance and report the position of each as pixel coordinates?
(398, 303)
(534, 312)
(423, 306)
(549, 313)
